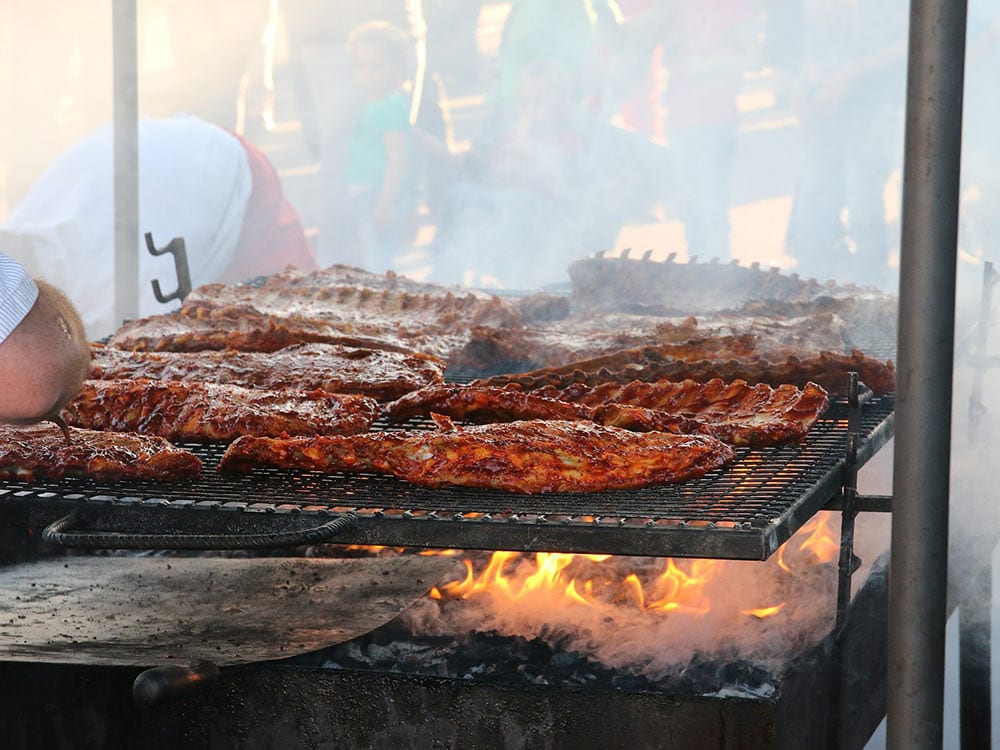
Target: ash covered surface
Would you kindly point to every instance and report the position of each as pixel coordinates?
(517, 661)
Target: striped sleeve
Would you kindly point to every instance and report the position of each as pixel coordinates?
(17, 294)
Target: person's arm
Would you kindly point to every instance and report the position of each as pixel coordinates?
(392, 183)
(43, 360)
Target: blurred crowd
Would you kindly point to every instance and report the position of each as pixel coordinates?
(592, 115)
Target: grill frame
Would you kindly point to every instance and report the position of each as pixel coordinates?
(773, 491)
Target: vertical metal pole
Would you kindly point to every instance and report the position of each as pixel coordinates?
(919, 567)
(126, 159)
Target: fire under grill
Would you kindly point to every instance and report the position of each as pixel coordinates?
(743, 511)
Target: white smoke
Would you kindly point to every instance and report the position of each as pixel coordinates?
(616, 631)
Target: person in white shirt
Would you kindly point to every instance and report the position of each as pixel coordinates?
(197, 181)
(44, 354)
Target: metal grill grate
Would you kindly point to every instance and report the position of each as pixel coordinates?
(742, 511)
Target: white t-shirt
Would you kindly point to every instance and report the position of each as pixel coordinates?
(17, 295)
(194, 182)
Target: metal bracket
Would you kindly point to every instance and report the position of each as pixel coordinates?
(65, 532)
(176, 248)
(857, 396)
(848, 562)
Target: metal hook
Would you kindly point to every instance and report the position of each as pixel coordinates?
(176, 248)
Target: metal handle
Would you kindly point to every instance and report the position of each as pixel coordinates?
(62, 532)
(161, 684)
(177, 248)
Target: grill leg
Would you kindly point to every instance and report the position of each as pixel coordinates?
(974, 646)
(848, 562)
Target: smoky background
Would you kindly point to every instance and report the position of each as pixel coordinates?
(638, 178)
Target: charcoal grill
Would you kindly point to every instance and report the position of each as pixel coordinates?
(743, 511)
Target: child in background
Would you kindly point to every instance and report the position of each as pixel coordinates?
(376, 173)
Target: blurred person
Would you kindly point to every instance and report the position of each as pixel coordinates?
(196, 181)
(378, 174)
(452, 45)
(564, 31)
(849, 98)
(708, 48)
(44, 353)
(549, 179)
(781, 48)
(639, 67)
(502, 225)
(330, 101)
(980, 209)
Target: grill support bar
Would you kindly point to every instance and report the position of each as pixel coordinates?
(848, 562)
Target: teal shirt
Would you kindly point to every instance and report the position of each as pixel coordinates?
(366, 161)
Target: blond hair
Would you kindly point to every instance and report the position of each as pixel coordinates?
(44, 361)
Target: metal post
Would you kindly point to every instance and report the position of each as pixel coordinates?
(919, 568)
(126, 159)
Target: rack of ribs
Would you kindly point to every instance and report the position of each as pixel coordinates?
(380, 374)
(527, 457)
(737, 413)
(211, 327)
(827, 369)
(42, 452)
(208, 412)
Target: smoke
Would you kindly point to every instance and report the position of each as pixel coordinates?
(621, 626)
(522, 169)
(616, 182)
(57, 73)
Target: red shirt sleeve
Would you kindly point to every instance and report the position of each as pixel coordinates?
(272, 237)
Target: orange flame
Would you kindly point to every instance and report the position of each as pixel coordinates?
(763, 611)
(821, 545)
(821, 542)
(680, 587)
(673, 590)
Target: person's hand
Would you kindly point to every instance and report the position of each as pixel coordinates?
(44, 361)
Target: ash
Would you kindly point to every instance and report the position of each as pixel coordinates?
(518, 662)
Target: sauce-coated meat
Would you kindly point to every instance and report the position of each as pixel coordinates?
(532, 456)
(381, 374)
(41, 452)
(206, 412)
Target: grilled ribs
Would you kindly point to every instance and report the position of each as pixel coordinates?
(481, 404)
(209, 327)
(349, 303)
(527, 457)
(590, 336)
(643, 284)
(362, 295)
(40, 452)
(206, 412)
(736, 413)
(827, 369)
(380, 374)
